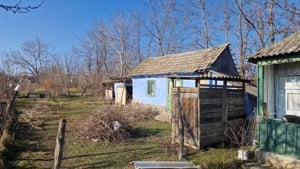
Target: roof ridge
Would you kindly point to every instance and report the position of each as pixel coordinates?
(192, 51)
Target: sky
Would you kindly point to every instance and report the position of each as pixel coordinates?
(59, 23)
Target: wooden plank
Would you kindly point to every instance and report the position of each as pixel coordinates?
(184, 90)
(211, 139)
(234, 113)
(210, 90)
(210, 95)
(236, 122)
(211, 114)
(209, 106)
(219, 130)
(236, 95)
(225, 105)
(189, 95)
(236, 101)
(212, 101)
(211, 125)
(236, 108)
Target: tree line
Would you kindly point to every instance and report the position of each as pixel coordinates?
(113, 47)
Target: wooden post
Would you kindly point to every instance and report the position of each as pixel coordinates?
(180, 128)
(59, 144)
(199, 117)
(225, 106)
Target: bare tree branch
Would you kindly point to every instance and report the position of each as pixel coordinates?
(19, 8)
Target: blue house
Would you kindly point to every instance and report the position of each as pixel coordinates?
(150, 82)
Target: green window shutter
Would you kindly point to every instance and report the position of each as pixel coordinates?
(151, 87)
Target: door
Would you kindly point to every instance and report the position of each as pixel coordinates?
(288, 95)
(281, 96)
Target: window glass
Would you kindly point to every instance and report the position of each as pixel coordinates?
(293, 101)
(151, 87)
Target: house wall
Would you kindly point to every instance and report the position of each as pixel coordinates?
(139, 93)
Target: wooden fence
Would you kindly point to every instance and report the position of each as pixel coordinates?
(207, 112)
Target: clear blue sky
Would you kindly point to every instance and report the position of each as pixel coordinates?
(59, 23)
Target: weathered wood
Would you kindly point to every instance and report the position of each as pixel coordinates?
(59, 144)
(236, 122)
(211, 114)
(236, 101)
(212, 130)
(180, 129)
(211, 90)
(239, 108)
(189, 95)
(211, 139)
(199, 118)
(212, 101)
(207, 112)
(184, 90)
(211, 125)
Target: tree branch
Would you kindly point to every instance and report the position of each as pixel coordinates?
(19, 8)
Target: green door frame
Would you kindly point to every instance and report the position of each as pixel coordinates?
(169, 93)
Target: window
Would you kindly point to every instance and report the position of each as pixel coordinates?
(293, 103)
(151, 87)
(178, 83)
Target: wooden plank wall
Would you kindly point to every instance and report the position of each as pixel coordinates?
(220, 107)
(211, 108)
(189, 102)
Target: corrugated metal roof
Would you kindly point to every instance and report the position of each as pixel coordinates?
(289, 45)
(216, 76)
(186, 62)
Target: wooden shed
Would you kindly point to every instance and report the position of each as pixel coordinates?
(119, 90)
(207, 110)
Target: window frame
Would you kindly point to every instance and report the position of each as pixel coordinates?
(150, 91)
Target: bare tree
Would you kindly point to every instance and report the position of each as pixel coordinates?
(19, 7)
(261, 23)
(124, 44)
(157, 23)
(32, 57)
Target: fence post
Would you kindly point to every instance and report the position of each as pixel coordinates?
(180, 128)
(59, 144)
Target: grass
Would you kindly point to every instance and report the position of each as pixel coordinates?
(34, 148)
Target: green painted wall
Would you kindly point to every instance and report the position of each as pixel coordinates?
(279, 137)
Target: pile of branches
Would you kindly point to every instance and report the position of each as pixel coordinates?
(138, 112)
(99, 126)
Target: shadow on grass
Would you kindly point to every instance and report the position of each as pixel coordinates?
(26, 140)
(144, 132)
(108, 159)
(108, 153)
